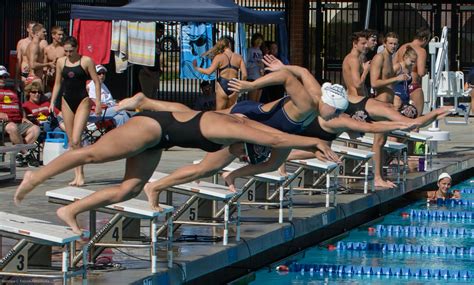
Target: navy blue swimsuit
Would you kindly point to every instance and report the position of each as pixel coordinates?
(224, 82)
(276, 117)
(401, 88)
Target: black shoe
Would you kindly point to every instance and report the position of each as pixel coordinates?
(20, 160)
(31, 160)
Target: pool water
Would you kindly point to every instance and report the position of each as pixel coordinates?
(432, 241)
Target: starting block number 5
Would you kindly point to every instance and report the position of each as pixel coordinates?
(191, 214)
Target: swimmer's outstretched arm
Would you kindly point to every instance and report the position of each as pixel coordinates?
(381, 111)
(304, 75)
(343, 124)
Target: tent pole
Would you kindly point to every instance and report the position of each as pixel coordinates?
(367, 14)
(70, 27)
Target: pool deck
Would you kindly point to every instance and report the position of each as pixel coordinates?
(261, 242)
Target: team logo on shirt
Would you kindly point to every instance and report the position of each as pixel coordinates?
(71, 74)
(360, 116)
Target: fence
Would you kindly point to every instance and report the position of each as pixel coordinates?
(331, 23)
(326, 33)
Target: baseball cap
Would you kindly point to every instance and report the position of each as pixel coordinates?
(335, 96)
(100, 67)
(3, 71)
(444, 175)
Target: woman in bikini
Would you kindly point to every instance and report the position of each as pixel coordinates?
(227, 63)
(152, 132)
(72, 73)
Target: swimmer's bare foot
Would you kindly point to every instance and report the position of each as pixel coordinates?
(26, 186)
(69, 218)
(73, 182)
(130, 103)
(230, 181)
(153, 197)
(379, 182)
(282, 170)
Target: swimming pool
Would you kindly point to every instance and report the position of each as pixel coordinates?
(417, 244)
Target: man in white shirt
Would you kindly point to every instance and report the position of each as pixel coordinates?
(106, 98)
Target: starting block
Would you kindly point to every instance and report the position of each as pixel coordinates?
(325, 168)
(362, 158)
(263, 180)
(399, 149)
(28, 232)
(110, 235)
(190, 210)
(12, 150)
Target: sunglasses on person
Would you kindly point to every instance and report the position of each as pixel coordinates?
(35, 92)
(100, 73)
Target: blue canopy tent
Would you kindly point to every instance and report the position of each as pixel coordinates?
(208, 11)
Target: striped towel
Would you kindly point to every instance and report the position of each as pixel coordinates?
(141, 43)
(119, 44)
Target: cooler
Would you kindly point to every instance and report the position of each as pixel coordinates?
(55, 144)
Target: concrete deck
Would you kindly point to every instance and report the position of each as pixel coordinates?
(262, 242)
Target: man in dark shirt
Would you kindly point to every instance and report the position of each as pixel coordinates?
(149, 76)
(207, 101)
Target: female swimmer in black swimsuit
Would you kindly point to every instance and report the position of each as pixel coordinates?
(72, 72)
(227, 64)
(153, 131)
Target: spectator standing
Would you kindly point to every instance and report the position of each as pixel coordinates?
(274, 92)
(149, 76)
(255, 66)
(207, 100)
(419, 43)
(227, 64)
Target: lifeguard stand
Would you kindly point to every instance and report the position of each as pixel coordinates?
(440, 84)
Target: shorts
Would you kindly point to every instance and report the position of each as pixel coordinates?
(22, 127)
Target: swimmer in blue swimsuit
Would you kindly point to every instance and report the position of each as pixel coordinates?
(227, 64)
(293, 113)
(402, 88)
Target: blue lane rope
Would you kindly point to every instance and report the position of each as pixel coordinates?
(454, 202)
(405, 248)
(410, 231)
(335, 269)
(441, 214)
